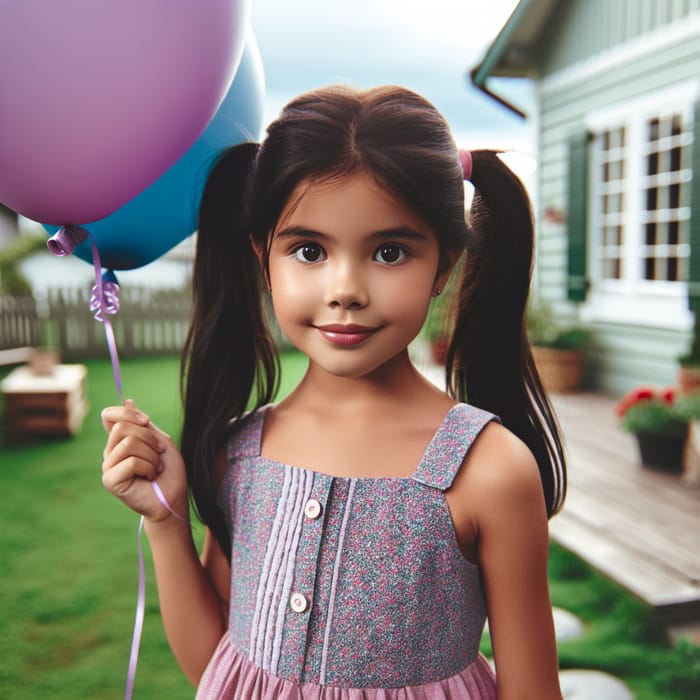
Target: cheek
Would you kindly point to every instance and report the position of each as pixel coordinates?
(406, 297)
(290, 294)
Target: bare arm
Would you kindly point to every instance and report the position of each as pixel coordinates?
(193, 615)
(503, 500)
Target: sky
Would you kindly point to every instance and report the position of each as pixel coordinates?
(427, 45)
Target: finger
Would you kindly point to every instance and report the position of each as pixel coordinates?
(144, 447)
(124, 475)
(123, 430)
(127, 412)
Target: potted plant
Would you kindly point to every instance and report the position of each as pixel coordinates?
(558, 350)
(689, 406)
(659, 421)
(689, 363)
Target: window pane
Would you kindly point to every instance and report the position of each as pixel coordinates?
(673, 233)
(651, 233)
(651, 198)
(611, 268)
(676, 125)
(649, 268)
(675, 159)
(653, 130)
(617, 235)
(674, 196)
(672, 270)
(653, 164)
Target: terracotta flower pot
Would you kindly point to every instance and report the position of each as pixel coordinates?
(559, 370)
(688, 378)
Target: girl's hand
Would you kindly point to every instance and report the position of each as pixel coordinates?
(138, 453)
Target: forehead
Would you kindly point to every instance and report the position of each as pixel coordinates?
(356, 204)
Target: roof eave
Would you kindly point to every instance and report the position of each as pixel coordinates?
(501, 60)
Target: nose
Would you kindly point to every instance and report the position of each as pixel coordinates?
(346, 286)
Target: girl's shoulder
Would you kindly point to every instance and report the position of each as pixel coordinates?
(499, 462)
(496, 490)
(498, 471)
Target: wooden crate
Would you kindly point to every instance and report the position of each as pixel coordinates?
(48, 404)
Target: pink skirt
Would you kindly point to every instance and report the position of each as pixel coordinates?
(232, 676)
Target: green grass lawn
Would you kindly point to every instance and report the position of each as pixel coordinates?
(68, 584)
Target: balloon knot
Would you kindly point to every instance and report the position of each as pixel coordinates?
(63, 242)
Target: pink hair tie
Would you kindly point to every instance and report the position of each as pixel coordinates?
(465, 158)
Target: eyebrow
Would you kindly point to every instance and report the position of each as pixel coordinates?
(401, 233)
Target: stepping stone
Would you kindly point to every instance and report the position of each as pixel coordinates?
(566, 625)
(592, 685)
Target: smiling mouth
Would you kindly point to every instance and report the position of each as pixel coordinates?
(345, 334)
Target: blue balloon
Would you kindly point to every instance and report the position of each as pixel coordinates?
(166, 212)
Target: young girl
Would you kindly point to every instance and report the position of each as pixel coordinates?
(359, 531)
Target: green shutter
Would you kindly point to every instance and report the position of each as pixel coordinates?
(694, 224)
(576, 216)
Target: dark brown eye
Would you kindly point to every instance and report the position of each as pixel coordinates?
(390, 254)
(309, 252)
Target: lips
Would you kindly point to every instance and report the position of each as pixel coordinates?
(345, 334)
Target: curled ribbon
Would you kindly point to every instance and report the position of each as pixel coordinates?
(108, 303)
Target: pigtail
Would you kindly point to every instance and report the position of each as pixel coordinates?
(228, 351)
(489, 359)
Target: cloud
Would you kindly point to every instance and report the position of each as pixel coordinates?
(428, 46)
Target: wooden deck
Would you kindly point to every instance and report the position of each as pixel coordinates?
(638, 526)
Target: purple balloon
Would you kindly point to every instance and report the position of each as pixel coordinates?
(99, 97)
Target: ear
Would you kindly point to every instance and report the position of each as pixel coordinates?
(447, 265)
(260, 255)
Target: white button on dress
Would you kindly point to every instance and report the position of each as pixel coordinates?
(312, 509)
(298, 602)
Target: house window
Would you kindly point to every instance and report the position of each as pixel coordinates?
(639, 213)
(665, 246)
(612, 203)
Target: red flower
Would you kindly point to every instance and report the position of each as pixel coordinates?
(668, 395)
(642, 393)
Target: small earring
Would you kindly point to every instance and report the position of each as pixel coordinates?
(438, 292)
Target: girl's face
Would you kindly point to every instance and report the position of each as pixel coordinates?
(351, 271)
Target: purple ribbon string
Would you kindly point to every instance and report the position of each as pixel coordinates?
(138, 618)
(104, 302)
(164, 501)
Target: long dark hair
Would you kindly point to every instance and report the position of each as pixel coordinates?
(230, 363)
